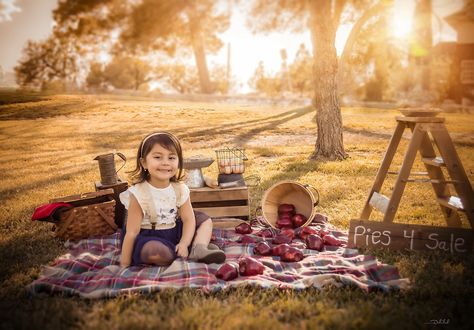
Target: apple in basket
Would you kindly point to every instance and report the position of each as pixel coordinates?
(292, 255)
(262, 248)
(243, 228)
(277, 250)
(227, 272)
(284, 222)
(305, 231)
(314, 242)
(286, 209)
(298, 220)
(331, 240)
(249, 266)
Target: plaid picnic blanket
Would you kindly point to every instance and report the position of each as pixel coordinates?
(90, 269)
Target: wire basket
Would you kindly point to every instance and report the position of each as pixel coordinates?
(231, 160)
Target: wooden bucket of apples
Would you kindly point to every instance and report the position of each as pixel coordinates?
(289, 204)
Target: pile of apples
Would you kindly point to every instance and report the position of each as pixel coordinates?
(288, 218)
(281, 245)
(247, 266)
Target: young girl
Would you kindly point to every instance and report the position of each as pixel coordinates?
(154, 234)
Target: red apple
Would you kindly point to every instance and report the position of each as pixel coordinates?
(298, 244)
(284, 222)
(267, 233)
(305, 231)
(331, 240)
(243, 228)
(246, 239)
(263, 249)
(314, 242)
(298, 220)
(277, 250)
(249, 266)
(281, 239)
(288, 232)
(286, 208)
(292, 255)
(227, 272)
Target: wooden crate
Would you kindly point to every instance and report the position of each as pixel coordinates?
(222, 203)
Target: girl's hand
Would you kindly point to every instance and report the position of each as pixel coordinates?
(182, 250)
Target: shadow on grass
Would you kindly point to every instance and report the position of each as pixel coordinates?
(7, 193)
(11, 96)
(367, 133)
(20, 253)
(50, 111)
(244, 133)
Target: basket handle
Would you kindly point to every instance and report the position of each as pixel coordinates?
(109, 221)
(317, 193)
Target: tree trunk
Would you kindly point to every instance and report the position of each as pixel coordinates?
(329, 141)
(200, 57)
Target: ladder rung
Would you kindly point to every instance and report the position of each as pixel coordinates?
(426, 180)
(437, 161)
(412, 173)
(379, 202)
(452, 202)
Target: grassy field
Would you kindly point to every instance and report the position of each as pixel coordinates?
(47, 150)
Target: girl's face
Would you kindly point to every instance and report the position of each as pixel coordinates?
(162, 164)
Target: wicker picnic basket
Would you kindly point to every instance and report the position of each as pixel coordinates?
(304, 197)
(92, 215)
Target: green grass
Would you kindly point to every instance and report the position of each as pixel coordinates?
(47, 149)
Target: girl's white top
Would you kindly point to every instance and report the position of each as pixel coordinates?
(165, 200)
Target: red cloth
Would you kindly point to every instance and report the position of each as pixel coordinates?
(45, 211)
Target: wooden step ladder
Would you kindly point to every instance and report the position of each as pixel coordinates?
(403, 236)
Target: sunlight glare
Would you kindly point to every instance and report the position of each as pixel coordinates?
(104, 57)
(401, 20)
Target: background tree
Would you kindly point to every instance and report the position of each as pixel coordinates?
(323, 18)
(55, 59)
(127, 73)
(96, 78)
(300, 72)
(265, 83)
(151, 25)
(179, 76)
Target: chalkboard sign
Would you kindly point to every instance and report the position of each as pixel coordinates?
(395, 236)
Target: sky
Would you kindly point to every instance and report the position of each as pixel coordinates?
(23, 20)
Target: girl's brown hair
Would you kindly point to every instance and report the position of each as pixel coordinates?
(166, 140)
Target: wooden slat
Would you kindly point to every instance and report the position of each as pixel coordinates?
(452, 202)
(455, 169)
(410, 237)
(427, 180)
(436, 161)
(420, 119)
(438, 182)
(226, 222)
(382, 172)
(209, 194)
(418, 133)
(229, 211)
(379, 202)
(412, 173)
